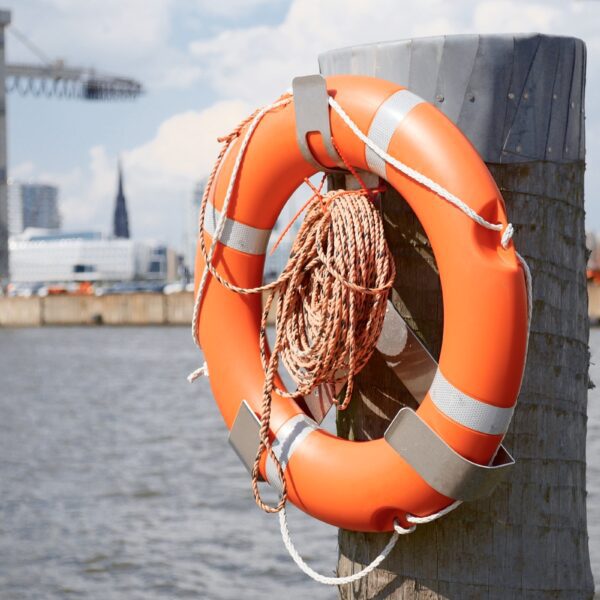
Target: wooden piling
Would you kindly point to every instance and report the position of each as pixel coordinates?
(519, 99)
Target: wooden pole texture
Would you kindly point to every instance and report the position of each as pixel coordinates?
(520, 101)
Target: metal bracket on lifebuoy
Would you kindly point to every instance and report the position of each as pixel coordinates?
(446, 471)
(406, 355)
(311, 105)
(244, 435)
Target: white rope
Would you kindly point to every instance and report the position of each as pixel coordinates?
(285, 534)
(420, 178)
(398, 531)
(507, 234)
(429, 518)
(200, 372)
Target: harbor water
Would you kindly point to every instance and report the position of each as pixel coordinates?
(117, 481)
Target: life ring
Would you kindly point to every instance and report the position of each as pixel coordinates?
(365, 486)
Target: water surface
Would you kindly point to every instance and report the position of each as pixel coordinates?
(117, 482)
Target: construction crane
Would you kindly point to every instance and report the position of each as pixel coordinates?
(60, 81)
(47, 79)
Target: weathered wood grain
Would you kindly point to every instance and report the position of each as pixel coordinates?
(528, 540)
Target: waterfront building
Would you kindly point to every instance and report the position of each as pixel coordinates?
(32, 205)
(15, 208)
(43, 256)
(40, 205)
(120, 217)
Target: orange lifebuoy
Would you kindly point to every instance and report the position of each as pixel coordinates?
(364, 486)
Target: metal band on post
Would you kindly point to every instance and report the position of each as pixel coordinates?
(406, 355)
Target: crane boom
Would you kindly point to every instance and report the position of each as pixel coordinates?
(58, 79)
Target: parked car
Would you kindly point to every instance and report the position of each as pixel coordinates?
(26, 290)
(174, 288)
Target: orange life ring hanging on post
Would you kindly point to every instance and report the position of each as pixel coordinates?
(440, 454)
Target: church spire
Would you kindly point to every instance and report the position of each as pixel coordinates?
(121, 220)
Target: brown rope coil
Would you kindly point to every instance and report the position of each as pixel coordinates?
(330, 305)
(330, 302)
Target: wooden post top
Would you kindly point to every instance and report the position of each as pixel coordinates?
(518, 98)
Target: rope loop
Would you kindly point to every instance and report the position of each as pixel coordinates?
(403, 530)
(507, 235)
(287, 541)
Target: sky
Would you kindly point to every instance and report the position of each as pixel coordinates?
(205, 65)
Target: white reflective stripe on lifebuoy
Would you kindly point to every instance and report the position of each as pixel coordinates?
(385, 123)
(236, 235)
(467, 411)
(289, 437)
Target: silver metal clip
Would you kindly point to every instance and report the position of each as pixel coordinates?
(244, 436)
(311, 104)
(406, 355)
(446, 471)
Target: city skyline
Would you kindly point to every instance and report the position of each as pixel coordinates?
(206, 67)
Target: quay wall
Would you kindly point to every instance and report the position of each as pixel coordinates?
(136, 309)
(113, 309)
(594, 303)
(21, 312)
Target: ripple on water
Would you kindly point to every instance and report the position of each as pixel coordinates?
(109, 477)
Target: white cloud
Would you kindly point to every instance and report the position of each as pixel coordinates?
(272, 56)
(508, 15)
(161, 173)
(22, 171)
(186, 144)
(86, 193)
(257, 63)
